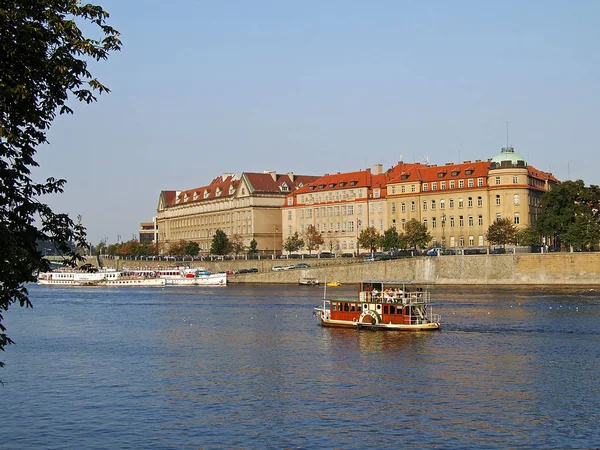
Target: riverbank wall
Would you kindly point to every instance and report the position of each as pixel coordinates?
(519, 269)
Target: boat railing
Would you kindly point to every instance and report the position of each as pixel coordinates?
(406, 298)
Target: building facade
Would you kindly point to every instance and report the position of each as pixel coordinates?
(148, 232)
(248, 206)
(456, 202)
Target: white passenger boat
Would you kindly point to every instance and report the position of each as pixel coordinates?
(185, 276)
(381, 305)
(108, 277)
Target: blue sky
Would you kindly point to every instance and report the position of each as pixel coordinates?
(206, 87)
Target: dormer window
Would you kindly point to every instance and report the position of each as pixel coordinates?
(195, 196)
(404, 177)
(206, 193)
(284, 187)
(218, 192)
(185, 197)
(455, 173)
(353, 183)
(468, 172)
(342, 183)
(331, 185)
(311, 188)
(321, 186)
(441, 174)
(231, 189)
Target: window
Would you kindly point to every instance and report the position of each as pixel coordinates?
(470, 202)
(350, 210)
(461, 184)
(479, 182)
(433, 222)
(433, 205)
(289, 215)
(443, 185)
(424, 205)
(471, 241)
(425, 223)
(452, 184)
(471, 182)
(497, 180)
(403, 223)
(403, 207)
(412, 188)
(412, 206)
(516, 199)
(393, 208)
(460, 203)
(442, 204)
(461, 221)
(451, 203)
(434, 186)
(461, 241)
(425, 187)
(470, 221)
(479, 201)
(517, 219)
(497, 200)
(480, 220)
(451, 222)
(515, 179)
(403, 189)
(393, 189)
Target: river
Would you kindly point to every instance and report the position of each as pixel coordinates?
(247, 366)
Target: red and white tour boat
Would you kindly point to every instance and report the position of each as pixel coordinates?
(381, 305)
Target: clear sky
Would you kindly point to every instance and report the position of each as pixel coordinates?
(206, 87)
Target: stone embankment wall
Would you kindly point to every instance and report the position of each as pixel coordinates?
(520, 269)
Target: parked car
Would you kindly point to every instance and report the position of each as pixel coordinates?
(302, 266)
(276, 268)
(346, 255)
(369, 259)
(326, 255)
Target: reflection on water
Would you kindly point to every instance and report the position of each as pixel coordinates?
(247, 366)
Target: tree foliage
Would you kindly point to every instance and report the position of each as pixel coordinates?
(502, 232)
(44, 59)
(293, 243)
(529, 236)
(390, 239)
(253, 247)
(416, 234)
(312, 239)
(570, 212)
(237, 244)
(220, 244)
(369, 238)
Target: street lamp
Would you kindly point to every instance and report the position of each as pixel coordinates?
(443, 218)
(274, 233)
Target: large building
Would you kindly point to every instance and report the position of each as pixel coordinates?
(456, 202)
(248, 206)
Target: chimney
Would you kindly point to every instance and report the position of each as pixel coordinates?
(272, 173)
(291, 175)
(377, 169)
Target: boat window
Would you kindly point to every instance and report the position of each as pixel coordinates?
(334, 306)
(358, 308)
(352, 307)
(392, 309)
(345, 306)
(378, 306)
(385, 309)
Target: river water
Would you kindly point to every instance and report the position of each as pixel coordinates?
(246, 366)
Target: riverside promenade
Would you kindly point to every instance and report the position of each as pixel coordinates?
(520, 269)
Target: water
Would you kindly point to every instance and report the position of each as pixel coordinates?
(247, 367)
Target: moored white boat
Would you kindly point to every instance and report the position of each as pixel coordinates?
(185, 276)
(111, 278)
(381, 305)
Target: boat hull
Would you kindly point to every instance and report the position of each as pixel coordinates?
(380, 326)
(121, 282)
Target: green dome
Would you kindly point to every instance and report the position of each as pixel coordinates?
(507, 158)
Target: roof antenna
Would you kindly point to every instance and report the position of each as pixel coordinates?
(507, 134)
